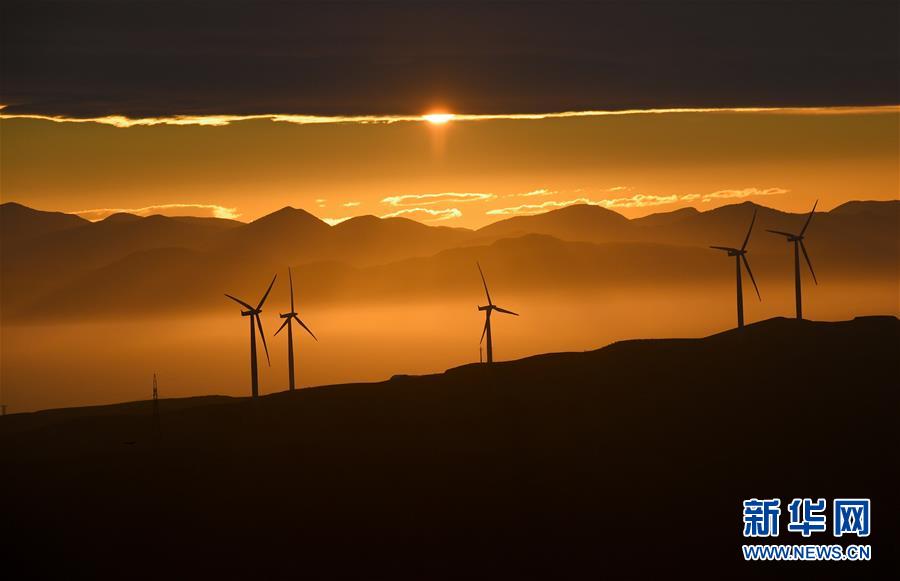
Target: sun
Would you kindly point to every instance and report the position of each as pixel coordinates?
(438, 118)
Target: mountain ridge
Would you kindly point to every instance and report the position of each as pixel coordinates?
(36, 274)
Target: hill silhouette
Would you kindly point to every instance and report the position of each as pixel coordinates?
(631, 460)
(579, 222)
(19, 223)
(61, 271)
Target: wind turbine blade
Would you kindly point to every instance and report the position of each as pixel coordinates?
(485, 284)
(480, 341)
(749, 230)
(286, 321)
(268, 290)
(725, 248)
(750, 272)
(780, 232)
(806, 256)
(505, 311)
(291, 280)
(305, 327)
(239, 301)
(809, 218)
(263, 335)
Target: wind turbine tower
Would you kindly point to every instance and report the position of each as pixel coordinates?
(488, 309)
(288, 320)
(797, 239)
(253, 314)
(740, 254)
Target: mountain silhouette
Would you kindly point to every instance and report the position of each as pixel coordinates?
(544, 467)
(579, 222)
(67, 261)
(19, 223)
(40, 264)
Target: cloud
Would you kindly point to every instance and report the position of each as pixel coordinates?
(745, 193)
(426, 214)
(122, 121)
(540, 192)
(335, 221)
(635, 201)
(282, 56)
(201, 210)
(439, 198)
(528, 209)
(638, 201)
(351, 204)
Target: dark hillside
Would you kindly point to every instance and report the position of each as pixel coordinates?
(631, 460)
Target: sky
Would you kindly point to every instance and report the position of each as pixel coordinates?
(144, 58)
(236, 108)
(465, 172)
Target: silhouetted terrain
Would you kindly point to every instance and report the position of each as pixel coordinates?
(631, 460)
(123, 265)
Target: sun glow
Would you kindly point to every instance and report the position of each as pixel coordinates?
(438, 118)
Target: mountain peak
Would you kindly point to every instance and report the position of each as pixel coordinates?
(288, 215)
(19, 222)
(120, 217)
(867, 206)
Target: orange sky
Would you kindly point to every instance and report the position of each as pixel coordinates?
(462, 173)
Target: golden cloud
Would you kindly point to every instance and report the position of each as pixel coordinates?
(745, 193)
(439, 198)
(426, 214)
(638, 201)
(202, 210)
(635, 201)
(528, 209)
(539, 192)
(335, 221)
(222, 120)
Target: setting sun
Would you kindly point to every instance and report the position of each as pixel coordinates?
(438, 118)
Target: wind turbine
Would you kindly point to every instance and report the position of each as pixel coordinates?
(288, 317)
(740, 255)
(490, 307)
(797, 239)
(253, 313)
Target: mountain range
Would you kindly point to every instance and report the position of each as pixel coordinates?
(55, 264)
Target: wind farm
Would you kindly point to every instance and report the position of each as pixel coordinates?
(631, 412)
(502, 460)
(739, 254)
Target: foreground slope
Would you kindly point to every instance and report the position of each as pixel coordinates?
(632, 459)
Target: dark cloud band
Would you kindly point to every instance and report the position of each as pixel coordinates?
(158, 58)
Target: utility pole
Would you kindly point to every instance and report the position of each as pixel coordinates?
(156, 404)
